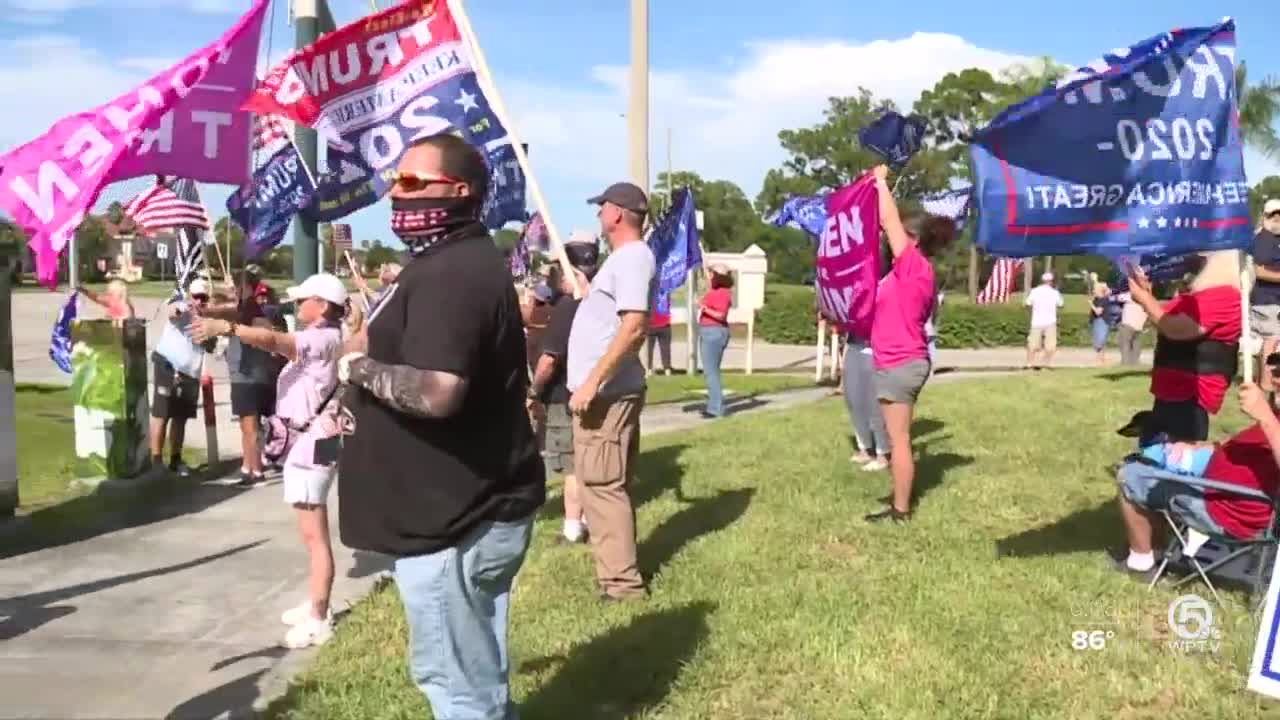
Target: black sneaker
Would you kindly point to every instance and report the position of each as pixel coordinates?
(888, 514)
(249, 480)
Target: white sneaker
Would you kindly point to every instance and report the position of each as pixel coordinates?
(877, 464)
(309, 632)
(861, 457)
(295, 615)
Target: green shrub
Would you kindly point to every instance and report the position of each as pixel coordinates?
(788, 317)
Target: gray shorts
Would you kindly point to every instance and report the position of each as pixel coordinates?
(558, 452)
(1265, 320)
(903, 383)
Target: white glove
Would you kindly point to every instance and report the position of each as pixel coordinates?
(344, 366)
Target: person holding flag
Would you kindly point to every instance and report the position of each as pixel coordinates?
(904, 303)
(713, 333)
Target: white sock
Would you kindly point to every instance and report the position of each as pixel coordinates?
(572, 529)
(1141, 562)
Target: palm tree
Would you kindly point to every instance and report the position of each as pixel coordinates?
(1259, 111)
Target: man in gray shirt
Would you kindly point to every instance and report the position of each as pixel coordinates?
(607, 381)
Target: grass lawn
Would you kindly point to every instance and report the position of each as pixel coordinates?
(46, 453)
(773, 599)
(683, 388)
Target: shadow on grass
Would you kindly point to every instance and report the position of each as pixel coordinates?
(93, 514)
(1125, 375)
(25, 613)
(701, 517)
(657, 471)
(930, 469)
(623, 673)
(1092, 530)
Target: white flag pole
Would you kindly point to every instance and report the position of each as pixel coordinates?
(1247, 348)
(495, 102)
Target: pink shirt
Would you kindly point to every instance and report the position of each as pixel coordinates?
(303, 385)
(904, 302)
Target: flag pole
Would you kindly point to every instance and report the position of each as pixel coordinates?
(495, 102)
(1247, 346)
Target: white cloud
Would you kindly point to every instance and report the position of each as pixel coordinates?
(724, 122)
(148, 65)
(209, 7)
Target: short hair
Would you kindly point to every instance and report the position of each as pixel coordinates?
(632, 218)
(460, 160)
(933, 233)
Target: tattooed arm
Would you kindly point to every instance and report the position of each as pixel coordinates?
(422, 393)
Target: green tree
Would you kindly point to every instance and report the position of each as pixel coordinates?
(377, 254)
(827, 155)
(506, 238)
(1259, 106)
(223, 229)
(1259, 194)
(92, 244)
(14, 243)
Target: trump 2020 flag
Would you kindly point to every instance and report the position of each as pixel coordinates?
(264, 207)
(60, 343)
(373, 87)
(807, 212)
(1138, 153)
(894, 137)
(505, 201)
(849, 257)
(674, 242)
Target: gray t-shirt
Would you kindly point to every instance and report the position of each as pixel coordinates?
(249, 364)
(624, 284)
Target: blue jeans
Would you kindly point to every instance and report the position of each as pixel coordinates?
(713, 339)
(1099, 330)
(860, 398)
(456, 602)
(1154, 489)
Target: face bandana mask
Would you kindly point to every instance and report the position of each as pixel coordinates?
(422, 222)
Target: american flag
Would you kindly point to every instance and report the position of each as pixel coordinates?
(1000, 285)
(267, 129)
(175, 206)
(167, 206)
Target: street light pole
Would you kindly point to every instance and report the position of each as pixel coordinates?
(307, 17)
(638, 100)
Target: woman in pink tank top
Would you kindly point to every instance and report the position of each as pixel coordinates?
(899, 345)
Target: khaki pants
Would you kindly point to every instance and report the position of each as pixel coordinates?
(606, 440)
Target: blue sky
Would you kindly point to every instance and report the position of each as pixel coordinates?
(726, 76)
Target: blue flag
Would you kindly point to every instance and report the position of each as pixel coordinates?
(1158, 268)
(674, 242)
(807, 212)
(60, 343)
(264, 207)
(455, 101)
(894, 137)
(505, 201)
(1139, 153)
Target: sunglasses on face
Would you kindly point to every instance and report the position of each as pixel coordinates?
(200, 298)
(1272, 215)
(411, 181)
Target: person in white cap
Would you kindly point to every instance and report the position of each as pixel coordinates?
(174, 396)
(305, 393)
(1044, 301)
(1264, 310)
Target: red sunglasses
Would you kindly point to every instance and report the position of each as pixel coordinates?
(411, 181)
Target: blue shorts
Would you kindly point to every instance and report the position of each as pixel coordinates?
(1154, 489)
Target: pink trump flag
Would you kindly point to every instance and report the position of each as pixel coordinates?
(849, 257)
(181, 122)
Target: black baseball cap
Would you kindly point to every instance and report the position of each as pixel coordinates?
(625, 195)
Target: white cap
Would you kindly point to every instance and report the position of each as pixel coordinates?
(321, 285)
(1272, 205)
(198, 287)
(1047, 277)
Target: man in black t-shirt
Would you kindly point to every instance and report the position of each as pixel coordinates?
(440, 468)
(549, 387)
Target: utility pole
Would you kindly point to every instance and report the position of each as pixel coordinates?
(310, 18)
(638, 100)
(10, 251)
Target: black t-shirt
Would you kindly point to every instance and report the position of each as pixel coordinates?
(412, 486)
(1266, 251)
(555, 342)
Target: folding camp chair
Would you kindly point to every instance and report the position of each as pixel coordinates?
(1245, 563)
